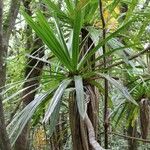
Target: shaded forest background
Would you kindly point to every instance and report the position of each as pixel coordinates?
(74, 74)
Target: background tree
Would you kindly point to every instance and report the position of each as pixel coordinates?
(6, 27)
(33, 71)
(83, 46)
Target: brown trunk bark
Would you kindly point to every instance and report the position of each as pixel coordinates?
(144, 117)
(4, 140)
(84, 132)
(78, 130)
(132, 131)
(5, 32)
(93, 107)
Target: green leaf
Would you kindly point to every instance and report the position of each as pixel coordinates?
(61, 49)
(43, 30)
(80, 96)
(54, 118)
(131, 8)
(121, 114)
(88, 54)
(70, 6)
(90, 11)
(76, 38)
(18, 92)
(120, 87)
(56, 9)
(113, 5)
(82, 3)
(112, 51)
(56, 98)
(18, 123)
(60, 35)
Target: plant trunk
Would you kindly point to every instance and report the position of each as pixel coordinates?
(4, 140)
(132, 131)
(78, 130)
(93, 106)
(5, 32)
(83, 132)
(81, 139)
(144, 117)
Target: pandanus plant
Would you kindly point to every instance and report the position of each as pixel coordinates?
(76, 73)
(136, 117)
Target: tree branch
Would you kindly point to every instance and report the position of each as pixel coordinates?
(147, 49)
(130, 137)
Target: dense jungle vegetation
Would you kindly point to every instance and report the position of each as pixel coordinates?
(74, 74)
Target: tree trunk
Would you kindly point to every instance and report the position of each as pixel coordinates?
(5, 32)
(79, 128)
(93, 106)
(144, 117)
(132, 131)
(4, 140)
(84, 132)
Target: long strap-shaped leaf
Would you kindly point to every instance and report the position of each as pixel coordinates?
(43, 30)
(76, 37)
(91, 52)
(18, 92)
(120, 87)
(56, 98)
(80, 96)
(54, 118)
(82, 3)
(70, 6)
(57, 47)
(123, 90)
(62, 39)
(60, 14)
(42, 21)
(21, 119)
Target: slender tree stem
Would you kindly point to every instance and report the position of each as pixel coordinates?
(130, 137)
(5, 32)
(105, 81)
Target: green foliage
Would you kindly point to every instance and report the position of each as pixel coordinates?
(69, 70)
(80, 95)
